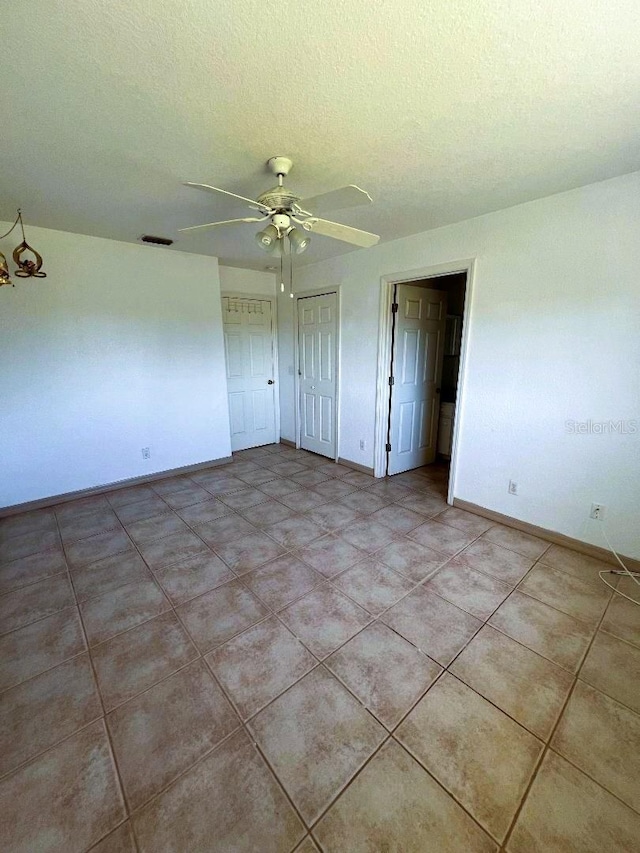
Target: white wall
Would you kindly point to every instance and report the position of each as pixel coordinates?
(119, 348)
(554, 336)
(235, 280)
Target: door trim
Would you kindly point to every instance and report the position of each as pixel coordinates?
(383, 391)
(274, 345)
(324, 291)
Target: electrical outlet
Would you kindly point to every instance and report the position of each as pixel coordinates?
(146, 453)
(363, 444)
(513, 487)
(597, 511)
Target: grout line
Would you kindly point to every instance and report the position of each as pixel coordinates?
(610, 633)
(165, 677)
(114, 763)
(280, 784)
(33, 582)
(441, 785)
(343, 788)
(22, 764)
(577, 767)
(112, 830)
(183, 772)
(580, 619)
(36, 621)
(48, 669)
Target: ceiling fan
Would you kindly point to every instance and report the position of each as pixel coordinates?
(278, 209)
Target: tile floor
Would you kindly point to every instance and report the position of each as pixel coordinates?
(284, 654)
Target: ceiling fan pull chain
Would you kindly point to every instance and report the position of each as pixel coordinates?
(290, 272)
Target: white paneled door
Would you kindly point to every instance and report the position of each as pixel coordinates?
(248, 342)
(418, 347)
(317, 330)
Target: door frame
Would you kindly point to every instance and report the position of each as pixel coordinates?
(383, 390)
(323, 291)
(274, 345)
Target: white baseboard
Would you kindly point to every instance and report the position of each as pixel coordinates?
(548, 535)
(355, 465)
(53, 500)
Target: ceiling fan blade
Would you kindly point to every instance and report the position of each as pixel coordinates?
(210, 189)
(341, 232)
(224, 222)
(350, 196)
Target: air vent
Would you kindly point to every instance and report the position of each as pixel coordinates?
(157, 241)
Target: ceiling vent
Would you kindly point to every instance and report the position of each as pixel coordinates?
(157, 241)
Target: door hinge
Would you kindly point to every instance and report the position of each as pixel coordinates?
(391, 380)
(388, 448)
(394, 308)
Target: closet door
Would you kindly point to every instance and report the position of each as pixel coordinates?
(317, 330)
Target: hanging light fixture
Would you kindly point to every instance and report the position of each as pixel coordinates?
(267, 238)
(26, 267)
(299, 241)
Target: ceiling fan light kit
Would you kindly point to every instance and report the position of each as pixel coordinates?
(298, 241)
(267, 237)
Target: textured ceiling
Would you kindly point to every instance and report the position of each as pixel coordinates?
(442, 110)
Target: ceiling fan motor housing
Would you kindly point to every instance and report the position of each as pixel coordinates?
(278, 198)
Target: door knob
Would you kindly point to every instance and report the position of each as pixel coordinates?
(269, 381)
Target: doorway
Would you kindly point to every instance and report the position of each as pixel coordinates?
(317, 373)
(249, 343)
(423, 325)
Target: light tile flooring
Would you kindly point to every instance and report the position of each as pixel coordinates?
(283, 654)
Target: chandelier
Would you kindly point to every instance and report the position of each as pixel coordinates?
(27, 267)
